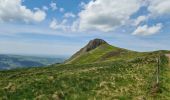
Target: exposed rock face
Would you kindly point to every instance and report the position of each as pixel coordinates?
(90, 46)
(93, 44)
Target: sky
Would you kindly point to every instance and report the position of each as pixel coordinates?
(62, 27)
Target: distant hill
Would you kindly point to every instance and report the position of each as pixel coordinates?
(17, 61)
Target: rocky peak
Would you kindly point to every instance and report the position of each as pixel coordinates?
(90, 46)
(94, 44)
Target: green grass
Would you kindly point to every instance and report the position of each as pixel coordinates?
(104, 52)
(93, 55)
(165, 80)
(105, 73)
(121, 79)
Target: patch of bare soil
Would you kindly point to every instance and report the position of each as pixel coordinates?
(168, 55)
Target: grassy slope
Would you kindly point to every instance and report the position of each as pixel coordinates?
(165, 80)
(104, 52)
(93, 55)
(116, 74)
(108, 80)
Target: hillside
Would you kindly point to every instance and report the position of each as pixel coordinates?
(98, 50)
(17, 61)
(101, 72)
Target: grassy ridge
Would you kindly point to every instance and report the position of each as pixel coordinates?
(122, 79)
(104, 52)
(93, 55)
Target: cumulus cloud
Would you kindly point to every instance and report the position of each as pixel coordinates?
(159, 7)
(146, 30)
(12, 10)
(55, 25)
(106, 15)
(156, 8)
(140, 19)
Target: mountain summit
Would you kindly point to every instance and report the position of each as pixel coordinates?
(93, 44)
(96, 50)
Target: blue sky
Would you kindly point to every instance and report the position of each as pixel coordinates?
(61, 27)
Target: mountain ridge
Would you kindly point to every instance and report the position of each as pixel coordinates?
(96, 50)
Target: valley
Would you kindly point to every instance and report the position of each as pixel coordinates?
(9, 61)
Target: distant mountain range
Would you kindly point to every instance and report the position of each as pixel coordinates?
(18, 61)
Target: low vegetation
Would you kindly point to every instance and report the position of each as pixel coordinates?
(122, 79)
(104, 73)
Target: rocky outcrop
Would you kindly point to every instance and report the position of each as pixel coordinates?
(90, 46)
(93, 44)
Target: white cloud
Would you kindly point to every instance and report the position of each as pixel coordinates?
(146, 30)
(54, 24)
(75, 26)
(59, 26)
(69, 14)
(140, 19)
(159, 7)
(156, 8)
(106, 15)
(53, 6)
(11, 29)
(12, 10)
